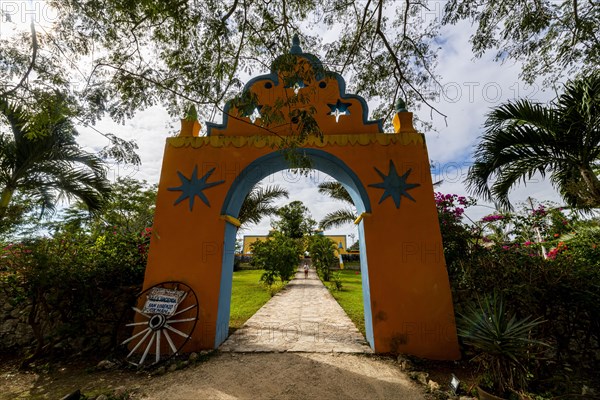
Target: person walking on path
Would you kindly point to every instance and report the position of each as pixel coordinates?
(305, 270)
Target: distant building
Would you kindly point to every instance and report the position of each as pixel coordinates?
(337, 239)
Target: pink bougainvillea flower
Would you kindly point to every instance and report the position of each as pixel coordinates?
(492, 218)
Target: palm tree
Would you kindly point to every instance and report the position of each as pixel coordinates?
(340, 217)
(259, 203)
(42, 160)
(523, 138)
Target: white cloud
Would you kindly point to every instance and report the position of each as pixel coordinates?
(150, 128)
(470, 88)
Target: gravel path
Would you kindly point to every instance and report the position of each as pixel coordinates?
(316, 376)
(304, 317)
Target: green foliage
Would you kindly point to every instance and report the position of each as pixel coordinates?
(340, 217)
(247, 297)
(322, 253)
(259, 203)
(355, 246)
(177, 52)
(38, 94)
(78, 280)
(336, 281)
(351, 298)
(275, 288)
(524, 138)
(456, 236)
(129, 209)
(294, 220)
(191, 113)
(21, 216)
(279, 256)
(554, 38)
(503, 256)
(335, 190)
(501, 341)
(582, 246)
(41, 160)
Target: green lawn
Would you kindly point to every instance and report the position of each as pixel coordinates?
(350, 297)
(247, 296)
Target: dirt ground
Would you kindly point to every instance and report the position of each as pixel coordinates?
(225, 376)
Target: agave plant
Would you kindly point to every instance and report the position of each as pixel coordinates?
(502, 341)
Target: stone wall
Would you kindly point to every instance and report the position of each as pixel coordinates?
(95, 332)
(15, 332)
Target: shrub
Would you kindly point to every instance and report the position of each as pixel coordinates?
(562, 290)
(456, 236)
(77, 286)
(322, 252)
(336, 282)
(279, 256)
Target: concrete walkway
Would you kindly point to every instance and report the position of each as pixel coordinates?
(304, 317)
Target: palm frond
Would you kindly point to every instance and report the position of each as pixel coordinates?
(49, 164)
(338, 218)
(16, 116)
(523, 138)
(336, 191)
(258, 203)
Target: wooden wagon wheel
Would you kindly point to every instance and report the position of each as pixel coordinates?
(164, 317)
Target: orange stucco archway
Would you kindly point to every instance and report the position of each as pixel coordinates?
(204, 179)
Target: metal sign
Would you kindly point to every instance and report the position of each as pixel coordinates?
(163, 301)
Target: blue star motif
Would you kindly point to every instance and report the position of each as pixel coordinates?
(394, 185)
(193, 187)
(339, 108)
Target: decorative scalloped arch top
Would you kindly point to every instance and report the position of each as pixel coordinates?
(297, 85)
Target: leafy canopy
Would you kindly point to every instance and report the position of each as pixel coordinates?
(551, 38)
(113, 58)
(294, 220)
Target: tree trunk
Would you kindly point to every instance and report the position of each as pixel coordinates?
(593, 184)
(5, 199)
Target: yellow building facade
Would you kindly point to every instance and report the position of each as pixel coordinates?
(249, 239)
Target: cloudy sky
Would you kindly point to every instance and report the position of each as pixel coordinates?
(470, 88)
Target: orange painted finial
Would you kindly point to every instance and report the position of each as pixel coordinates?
(403, 121)
(189, 124)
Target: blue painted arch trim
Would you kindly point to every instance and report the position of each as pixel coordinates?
(241, 186)
(275, 162)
